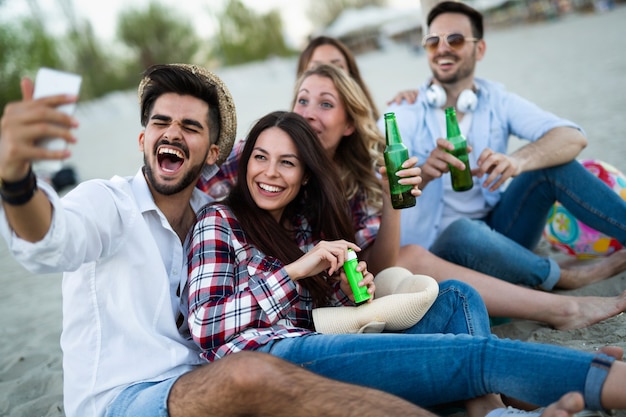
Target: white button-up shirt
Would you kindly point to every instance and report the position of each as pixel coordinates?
(124, 274)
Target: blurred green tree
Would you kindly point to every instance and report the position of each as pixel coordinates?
(24, 47)
(102, 70)
(158, 35)
(246, 36)
(146, 36)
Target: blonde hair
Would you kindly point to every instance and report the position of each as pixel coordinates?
(360, 154)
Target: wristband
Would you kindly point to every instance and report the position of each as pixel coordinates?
(19, 192)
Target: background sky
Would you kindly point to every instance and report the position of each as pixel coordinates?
(103, 13)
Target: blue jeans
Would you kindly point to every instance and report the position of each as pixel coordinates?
(435, 369)
(501, 244)
(458, 309)
(144, 399)
(449, 356)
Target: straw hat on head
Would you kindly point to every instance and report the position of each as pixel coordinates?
(226, 104)
(402, 299)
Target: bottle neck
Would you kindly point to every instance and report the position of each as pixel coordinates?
(392, 134)
(452, 125)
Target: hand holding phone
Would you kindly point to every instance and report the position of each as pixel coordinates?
(50, 82)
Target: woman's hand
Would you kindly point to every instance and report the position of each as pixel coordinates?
(325, 256)
(411, 174)
(368, 280)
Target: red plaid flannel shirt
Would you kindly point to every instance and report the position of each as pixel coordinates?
(239, 298)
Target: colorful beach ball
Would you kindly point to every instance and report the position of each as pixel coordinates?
(568, 234)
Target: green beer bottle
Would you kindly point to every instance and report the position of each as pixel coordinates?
(395, 155)
(354, 277)
(461, 180)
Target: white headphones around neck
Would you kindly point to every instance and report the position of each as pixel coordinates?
(436, 97)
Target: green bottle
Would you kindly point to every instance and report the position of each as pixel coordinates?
(354, 277)
(461, 180)
(395, 155)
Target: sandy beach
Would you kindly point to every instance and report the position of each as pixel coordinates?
(573, 66)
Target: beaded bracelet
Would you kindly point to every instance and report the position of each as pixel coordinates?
(19, 192)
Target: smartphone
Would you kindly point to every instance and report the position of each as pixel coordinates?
(50, 82)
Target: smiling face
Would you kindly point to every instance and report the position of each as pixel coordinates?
(175, 143)
(319, 102)
(448, 65)
(275, 173)
(328, 54)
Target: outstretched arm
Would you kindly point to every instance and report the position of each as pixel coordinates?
(23, 124)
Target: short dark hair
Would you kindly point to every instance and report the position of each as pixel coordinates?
(180, 80)
(475, 17)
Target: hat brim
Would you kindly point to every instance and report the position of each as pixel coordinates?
(402, 299)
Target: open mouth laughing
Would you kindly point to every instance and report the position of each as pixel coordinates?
(170, 159)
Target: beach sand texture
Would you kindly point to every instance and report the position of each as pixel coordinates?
(574, 66)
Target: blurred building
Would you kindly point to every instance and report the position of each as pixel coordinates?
(372, 28)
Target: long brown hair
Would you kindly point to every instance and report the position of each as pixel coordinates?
(321, 201)
(353, 69)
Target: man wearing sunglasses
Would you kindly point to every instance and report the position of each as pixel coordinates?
(491, 228)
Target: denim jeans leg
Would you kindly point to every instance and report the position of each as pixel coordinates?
(523, 209)
(473, 244)
(458, 309)
(433, 369)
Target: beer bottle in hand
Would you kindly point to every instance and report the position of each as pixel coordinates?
(461, 179)
(395, 155)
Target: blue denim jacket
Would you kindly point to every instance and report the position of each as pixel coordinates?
(498, 115)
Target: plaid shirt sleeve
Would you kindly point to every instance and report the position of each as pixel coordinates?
(219, 185)
(232, 286)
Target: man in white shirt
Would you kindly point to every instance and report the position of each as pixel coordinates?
(122, 245)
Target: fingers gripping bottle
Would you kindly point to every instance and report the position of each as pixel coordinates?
(461, 180)
(354, 277)
(395, 155)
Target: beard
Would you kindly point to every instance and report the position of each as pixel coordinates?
(464, 71)
(191, 177)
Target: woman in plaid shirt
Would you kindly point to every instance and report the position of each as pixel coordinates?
(261, 261)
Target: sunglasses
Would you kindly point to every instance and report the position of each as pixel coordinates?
(455, 41)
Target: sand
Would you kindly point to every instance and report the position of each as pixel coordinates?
(573, 66)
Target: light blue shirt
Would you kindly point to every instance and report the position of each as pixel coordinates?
(498, 115)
